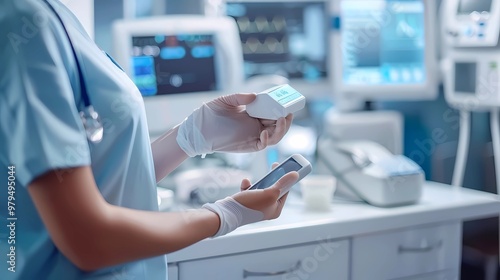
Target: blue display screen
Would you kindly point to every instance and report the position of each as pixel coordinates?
(144, 75)
(383, 42)
(288, 38)
(285, 94)
(277, 173)
(173, 64)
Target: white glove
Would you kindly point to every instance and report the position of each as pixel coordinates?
(232, 214)
(222, 125)
(251, 206)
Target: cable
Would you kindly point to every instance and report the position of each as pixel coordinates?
(495, 139)
(462, 150)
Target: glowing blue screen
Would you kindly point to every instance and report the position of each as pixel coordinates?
(383, 42)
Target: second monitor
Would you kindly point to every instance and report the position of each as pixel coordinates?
(288, 38)
(386, 49)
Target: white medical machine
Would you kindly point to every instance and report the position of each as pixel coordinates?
(287, 38)
(178, 62)
(472, 79)
(276, 102)
(367, 170)
(203, 185)
(471, 23)
(470, 69)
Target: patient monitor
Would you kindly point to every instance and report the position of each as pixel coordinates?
(385, 50)
(367, 171)
(178, 62)
(285, 37)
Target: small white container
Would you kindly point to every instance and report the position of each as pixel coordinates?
(317, 191)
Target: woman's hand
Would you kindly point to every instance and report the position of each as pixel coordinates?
(222, 125)
(251, 206)
(267, 200)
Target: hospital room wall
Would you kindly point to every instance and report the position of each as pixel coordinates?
(431, 127)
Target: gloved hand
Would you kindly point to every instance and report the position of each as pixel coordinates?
(222, 125)
(251, 206)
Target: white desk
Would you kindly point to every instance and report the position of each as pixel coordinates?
(352, 241)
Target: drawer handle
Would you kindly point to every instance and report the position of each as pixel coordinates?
(422, 249)
(247, 273)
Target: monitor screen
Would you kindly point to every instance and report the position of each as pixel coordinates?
(288, 38)
(469, 6)
(465, 77)
(383, 42)
(167, 64)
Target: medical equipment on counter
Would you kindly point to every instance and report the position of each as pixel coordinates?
(179, 62)
(209, 184)
(288, 38)
(276, 102)
(383, 127)
(386, 50)
(471, 23)
(165, 199)
(89, 116)
(371, 172)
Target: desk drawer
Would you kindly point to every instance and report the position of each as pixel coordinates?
(315, 261)
(407, 252)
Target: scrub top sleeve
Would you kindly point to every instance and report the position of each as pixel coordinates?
(40, 126)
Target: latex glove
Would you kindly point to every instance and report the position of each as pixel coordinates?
(222, 125)
(251, 206)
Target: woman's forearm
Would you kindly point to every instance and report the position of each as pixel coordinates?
(167, 155)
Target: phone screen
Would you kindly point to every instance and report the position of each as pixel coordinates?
(277, 173)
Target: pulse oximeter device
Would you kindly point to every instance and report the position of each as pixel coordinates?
(276, 102)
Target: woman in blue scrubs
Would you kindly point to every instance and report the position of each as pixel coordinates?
(88, 210)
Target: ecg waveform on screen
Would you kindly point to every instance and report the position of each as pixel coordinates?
(282, 37)
(270, 45)
(261, 24)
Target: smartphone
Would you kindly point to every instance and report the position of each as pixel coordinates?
(295, 162)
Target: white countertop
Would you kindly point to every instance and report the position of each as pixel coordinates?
(439, 203)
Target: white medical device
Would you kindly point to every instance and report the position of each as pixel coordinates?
(385, 50)
(368, 171)
(471, 23)
(472, 79)
(276, 102)
(295, 162)
(178, 62)
(205, 185)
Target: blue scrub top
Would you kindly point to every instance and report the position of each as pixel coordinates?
(40, 130)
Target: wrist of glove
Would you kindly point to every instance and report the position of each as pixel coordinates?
(232, 215)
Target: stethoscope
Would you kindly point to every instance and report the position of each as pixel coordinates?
(89, 116)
